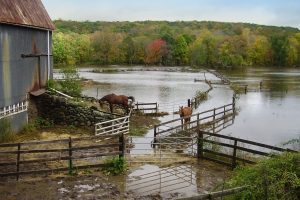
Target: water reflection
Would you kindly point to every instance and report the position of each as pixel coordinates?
(169, 181)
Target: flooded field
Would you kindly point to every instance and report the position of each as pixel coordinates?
(269, 116)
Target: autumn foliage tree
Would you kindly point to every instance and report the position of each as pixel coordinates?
(155, 51)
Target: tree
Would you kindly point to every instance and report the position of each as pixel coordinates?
(279, 49)
(292, 52)
(203, 51)
(180, 51)
(107, 47)
(229, 53)
(129, 50)
(259, 52)
(155, 52)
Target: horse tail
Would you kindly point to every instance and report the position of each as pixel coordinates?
(132, 98)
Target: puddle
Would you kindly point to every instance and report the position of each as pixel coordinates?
(176, 181)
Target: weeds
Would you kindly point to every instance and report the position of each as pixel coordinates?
(6, 134)
(116, 166)
(274, 178)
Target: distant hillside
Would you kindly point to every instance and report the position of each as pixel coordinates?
(176, 43)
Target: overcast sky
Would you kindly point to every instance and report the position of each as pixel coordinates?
(268, 12)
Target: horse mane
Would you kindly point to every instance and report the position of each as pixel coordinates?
(132, 98)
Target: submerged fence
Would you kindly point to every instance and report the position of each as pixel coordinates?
(196, 120)
(146, 107)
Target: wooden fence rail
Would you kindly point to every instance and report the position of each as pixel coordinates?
(238, 145)
(142, 107)
(117, 148)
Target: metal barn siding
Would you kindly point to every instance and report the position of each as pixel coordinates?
(21, 75)
(25, 49)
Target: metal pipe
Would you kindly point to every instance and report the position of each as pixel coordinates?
(48, 54)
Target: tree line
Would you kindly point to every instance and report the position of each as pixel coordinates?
(208, 44)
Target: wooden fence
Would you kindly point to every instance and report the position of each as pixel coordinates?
(210, 147)
(21, 158)
(146, 107)
(196, 120)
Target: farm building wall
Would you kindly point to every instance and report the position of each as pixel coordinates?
(19, 75)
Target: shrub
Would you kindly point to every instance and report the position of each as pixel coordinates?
(116, 166)
(70, 84)
(274, 178)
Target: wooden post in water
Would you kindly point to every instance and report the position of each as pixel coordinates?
(155, 134)
(234, 155)
(70, 156)
(198, 122)
(18, 161)
(260, 85)
(233, 104)
(200, 145)
(214, 117)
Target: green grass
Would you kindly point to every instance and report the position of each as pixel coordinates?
(116, 166)
(273, 178)
(6, 134)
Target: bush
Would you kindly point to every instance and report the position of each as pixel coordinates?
(274, 178)
(116, 166)
(6, 134)
(70, 84)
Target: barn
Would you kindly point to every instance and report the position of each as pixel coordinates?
(25, 56)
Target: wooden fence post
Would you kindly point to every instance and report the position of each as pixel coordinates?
(246, 89)
(137, 105)
(156, 107)
(70, 156)
(260, 85)
(18, 161)
(198, 122)
(189, 102)
(200, 145)
(121, 146)
(233, 104)
(224, 111)
(234, 154)
(155, 134)
(214, 117)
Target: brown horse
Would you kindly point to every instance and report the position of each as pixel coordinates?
(184, 112)
(116, 99)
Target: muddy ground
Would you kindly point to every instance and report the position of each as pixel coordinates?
(93, 184)
(65, 187)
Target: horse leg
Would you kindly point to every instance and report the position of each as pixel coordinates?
(111, 107)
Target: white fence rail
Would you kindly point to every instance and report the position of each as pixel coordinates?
(13, 109)
(113, 127)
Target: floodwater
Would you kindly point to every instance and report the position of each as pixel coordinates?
(270, 116)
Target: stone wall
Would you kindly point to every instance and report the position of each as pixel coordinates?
(68, 112)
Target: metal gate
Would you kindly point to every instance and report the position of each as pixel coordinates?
(161, 150)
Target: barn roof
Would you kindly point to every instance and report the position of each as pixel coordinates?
(25, 13)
